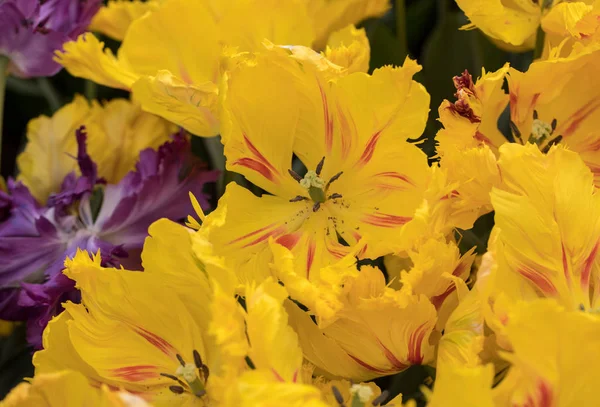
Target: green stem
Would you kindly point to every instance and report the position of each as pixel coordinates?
(90, 90)
(539, 43)
(3, 76)
(401, 26)
(49, 93)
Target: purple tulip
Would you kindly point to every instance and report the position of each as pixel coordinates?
(31, 30)
(90, 215)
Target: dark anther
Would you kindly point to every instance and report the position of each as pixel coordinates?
(381, 398)
(551, 143)
(581, 307)
(316, 206)
(197, 359)
(180, 359)
(298, 198)
(335, 196)
(535, 115)
(335, 177)
(320, 166)
(515, 130)
(205, 372)
(337, 395)
(176, 389)
(553, 124)
(295, 175)
(172, 377)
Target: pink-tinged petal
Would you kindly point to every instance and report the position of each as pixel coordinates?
(136, 373)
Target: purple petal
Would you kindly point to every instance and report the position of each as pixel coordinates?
(37, 304)
(31, 30)
(154, 190)
(73, 188)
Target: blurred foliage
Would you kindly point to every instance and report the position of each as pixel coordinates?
(432, 37)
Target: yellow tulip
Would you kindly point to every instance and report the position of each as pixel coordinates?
(117, 131)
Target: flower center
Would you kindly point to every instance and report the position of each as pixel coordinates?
(194, 376)
(542, 133)
(315, 186)
(540, 130)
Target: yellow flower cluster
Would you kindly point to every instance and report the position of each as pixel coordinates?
(276, 298)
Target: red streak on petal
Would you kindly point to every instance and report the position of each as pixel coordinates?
(414, 345)
(539, 280)
(327, 120)
(158, 342)
(295, 376)
(566, 266)
(385, 220)
(336, 253)
(252, 233)
(289, 240)
(275, 232)
(542, 397)
(367, 366)
(587, 267)
(534, 100)
(277, 375)
(369, 149)
(345, 132)
(310, 257)
(438, 300)
(135, 373)
(394, 176)
(483, 139)
(398, 366)
(257, 166)
(578, 117)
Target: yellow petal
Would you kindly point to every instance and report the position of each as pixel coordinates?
(66, 388)
(87, 58)
(113, 20)
(549, 232)
(331, 15)
(463, 387)
(567, 19)
(513, 22)
(192, 106)
(274, 343)
(349, 47)
(127, 131)
(549, 363)
(51, 146)
(561, 90)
